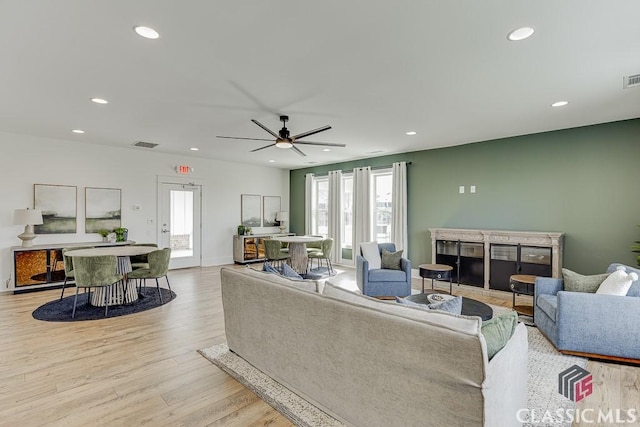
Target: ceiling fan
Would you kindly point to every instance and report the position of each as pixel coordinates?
(284, 140)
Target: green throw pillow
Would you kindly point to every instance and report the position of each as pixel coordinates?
(498, 330)
(575, 282)
(391, 260)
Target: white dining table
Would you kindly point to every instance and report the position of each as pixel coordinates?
(298, 250)
(124, 267)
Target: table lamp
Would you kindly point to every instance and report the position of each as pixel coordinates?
(28, 218)
(282, 217)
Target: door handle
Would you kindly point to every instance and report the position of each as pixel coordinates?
(165, 230)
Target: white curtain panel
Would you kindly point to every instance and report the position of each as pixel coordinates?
(399, 234)
(335, 214)
(361, 208)
(308, 201)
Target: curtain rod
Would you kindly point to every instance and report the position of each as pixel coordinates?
(359, 167)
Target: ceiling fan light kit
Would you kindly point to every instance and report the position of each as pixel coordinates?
(283, 138)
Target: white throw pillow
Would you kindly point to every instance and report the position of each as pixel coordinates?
(618, 283)
(371, 253)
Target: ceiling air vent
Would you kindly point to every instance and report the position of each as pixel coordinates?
(145, 144)
(631, 81)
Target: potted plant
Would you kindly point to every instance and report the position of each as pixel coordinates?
(121, 234)
(104, 233)
(241, 230)
(636, 248)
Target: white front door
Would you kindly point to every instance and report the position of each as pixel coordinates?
(180, 226)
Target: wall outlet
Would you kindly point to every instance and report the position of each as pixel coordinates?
(461, 189)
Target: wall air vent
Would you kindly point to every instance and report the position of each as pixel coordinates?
(631, 81)
(145, 144)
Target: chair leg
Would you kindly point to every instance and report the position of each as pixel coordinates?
(63, 285)
(330, 266)
(168, 284)
(159, 293)
(125, 287)
(75, 302)
(107, 290)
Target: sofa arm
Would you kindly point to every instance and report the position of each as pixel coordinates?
(362, 272)
(599, 324)
(548, 285)
(405, 265)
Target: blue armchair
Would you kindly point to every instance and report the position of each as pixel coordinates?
(595, 325)
(383, 282)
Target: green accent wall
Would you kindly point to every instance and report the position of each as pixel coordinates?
(579, 181)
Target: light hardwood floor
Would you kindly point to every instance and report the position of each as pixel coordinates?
(143, 369)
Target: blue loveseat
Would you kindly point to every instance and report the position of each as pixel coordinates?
(587, 324)
(382, 282)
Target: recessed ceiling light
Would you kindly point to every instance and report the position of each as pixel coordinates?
(326, 149)
(99, 101)
(520, 33)
(411, 132)
(77, 131)
(146, 32)
(560, 104)
(272, 161)
(194, 149)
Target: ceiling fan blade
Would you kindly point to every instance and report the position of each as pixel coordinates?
(275, 135)
(311, 132)
(326, 144)
(294, 148)
(250, 139)
(262, 148)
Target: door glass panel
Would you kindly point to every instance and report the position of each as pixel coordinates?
(181, 238)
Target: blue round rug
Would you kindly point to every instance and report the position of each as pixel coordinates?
(59, 310)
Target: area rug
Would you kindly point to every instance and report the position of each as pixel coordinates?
(545, 363)
(59, 310)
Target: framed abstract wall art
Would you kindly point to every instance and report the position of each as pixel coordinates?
(270, 208)
(250, 210)
(58, 206)
(103, 209)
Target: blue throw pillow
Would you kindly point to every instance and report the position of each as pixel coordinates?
(453, 305)
(269, 268)
(290, 272)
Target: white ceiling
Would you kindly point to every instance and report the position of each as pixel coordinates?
(371, 70)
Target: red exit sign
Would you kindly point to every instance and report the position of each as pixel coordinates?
(183, 169)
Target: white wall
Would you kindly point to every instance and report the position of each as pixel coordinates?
(27, 160)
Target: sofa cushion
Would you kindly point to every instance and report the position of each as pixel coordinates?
(498, 330)
(548, 304)
(382, 275)
(371, 253)
(450, 305)
(618, 282)
(391, 260)
(575, 282)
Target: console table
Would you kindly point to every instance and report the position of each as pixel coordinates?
(488, 258)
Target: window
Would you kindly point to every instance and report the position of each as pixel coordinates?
(320, 207)
(381, 188)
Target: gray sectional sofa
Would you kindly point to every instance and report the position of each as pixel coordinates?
(373, 363)
(590, 324)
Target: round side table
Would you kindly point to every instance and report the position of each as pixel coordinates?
(436, 272)
(522, 284)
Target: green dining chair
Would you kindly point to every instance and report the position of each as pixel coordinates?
(324, 254)
(273, 252)
(158, 267)
(69, 274)
(141, 261)
(97, 272)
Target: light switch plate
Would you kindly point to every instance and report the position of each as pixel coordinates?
(461, 189)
